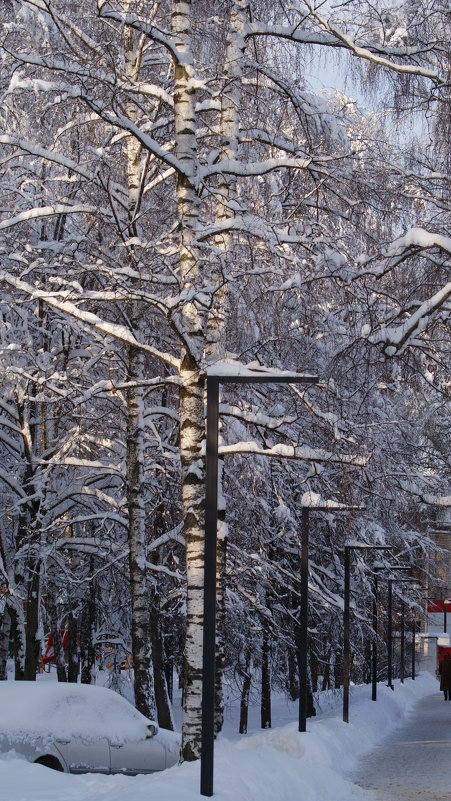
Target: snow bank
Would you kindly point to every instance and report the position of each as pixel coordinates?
(267, 765)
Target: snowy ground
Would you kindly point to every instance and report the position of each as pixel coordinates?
(279, 764)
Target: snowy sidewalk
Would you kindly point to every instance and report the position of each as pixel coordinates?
(414, 761)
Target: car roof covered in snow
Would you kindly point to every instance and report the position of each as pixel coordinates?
(30, 710)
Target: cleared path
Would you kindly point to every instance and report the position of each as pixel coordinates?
(414, 762)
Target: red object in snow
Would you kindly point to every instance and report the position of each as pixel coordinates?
(441, 651)
(438, 605)
(49, 655)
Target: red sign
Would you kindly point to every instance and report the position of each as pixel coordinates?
(438, 605)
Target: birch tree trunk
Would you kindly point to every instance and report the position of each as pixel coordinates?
(141, 647)
(140, 599)
(192, 428)
(162, 697)
(215, 338)
(162, 700)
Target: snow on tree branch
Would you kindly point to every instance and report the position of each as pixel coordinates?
(394, 338)
(330, 36)
(418, 239)
(48, 211)
(66, 307)
(302, 452)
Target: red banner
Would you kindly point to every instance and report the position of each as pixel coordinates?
(49, 655)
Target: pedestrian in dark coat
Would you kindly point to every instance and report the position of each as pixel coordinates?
(444, 669)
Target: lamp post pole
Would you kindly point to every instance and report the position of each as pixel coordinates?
(377, 569)
(389, 633)
(414, 634)
(303, 623)
(402, 644)
(374, 654)
(220, 374)
(310, 502)
(346, 637)
(446, 601)
(209, 631)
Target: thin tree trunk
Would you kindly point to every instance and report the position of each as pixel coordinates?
(32, 643)
(55, 628)
(265, 706)
(293, 677)
(162, 701)
(5, 633)
(18, 638)
(311, 711)
(245, 693)
(72, 670)
(87, 626)
(326, 677)
(141, 646)
(314, 672)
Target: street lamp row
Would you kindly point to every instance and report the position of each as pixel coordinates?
(220, 374)
(346, 621)
(310, 502)
(215, 377)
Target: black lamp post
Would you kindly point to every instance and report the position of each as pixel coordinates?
(303, 621)
(220, 374)
(346, 618)
(402, 666)
(389, 634)
(374, 650)
(310, 502)
(377, 569)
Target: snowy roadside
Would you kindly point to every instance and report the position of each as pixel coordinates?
(279, 763)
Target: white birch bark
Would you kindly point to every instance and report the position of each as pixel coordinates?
(140, 601)
(215, 337)
(142, 662)
(192, 430)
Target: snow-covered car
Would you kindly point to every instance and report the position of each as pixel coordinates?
(78, 728)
